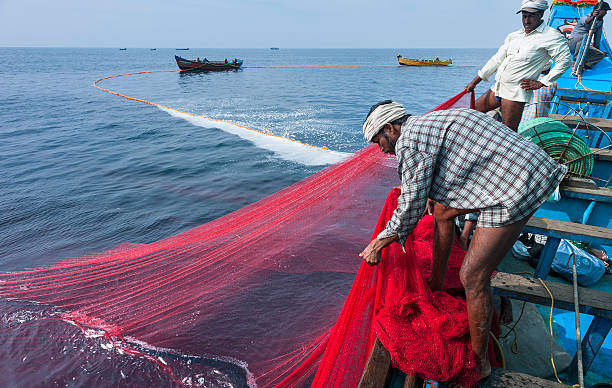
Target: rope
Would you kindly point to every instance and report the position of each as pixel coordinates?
(188, 113)
(550, 327)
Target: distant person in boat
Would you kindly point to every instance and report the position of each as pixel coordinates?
(465, 161)
(582, 28)
(519, 62)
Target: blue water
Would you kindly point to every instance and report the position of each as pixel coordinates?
(84, 170)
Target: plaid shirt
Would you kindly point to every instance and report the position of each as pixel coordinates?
(466, 160)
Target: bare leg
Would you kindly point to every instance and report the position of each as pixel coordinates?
(488, 248)
(468, 228)
(487, 102)
(443, 237)
(512, 112)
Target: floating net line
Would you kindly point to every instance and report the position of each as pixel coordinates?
(264, 285)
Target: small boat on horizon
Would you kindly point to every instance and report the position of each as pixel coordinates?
(122, 49)
(206, 65)
(153, 49)
(183, 48)
(274, 48)
(423, 62)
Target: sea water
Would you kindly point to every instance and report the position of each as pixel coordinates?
(84, 171)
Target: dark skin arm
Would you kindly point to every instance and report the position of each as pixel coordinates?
(472, 85)
(372, 253)
(529, 84)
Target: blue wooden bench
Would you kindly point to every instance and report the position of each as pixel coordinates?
(555, 230)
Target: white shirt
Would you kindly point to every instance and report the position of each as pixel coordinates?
(524, 56)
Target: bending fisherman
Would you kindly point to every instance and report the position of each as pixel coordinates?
(465, 161)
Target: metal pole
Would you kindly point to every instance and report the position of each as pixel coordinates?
(576, 311)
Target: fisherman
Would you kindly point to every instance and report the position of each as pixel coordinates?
(582, 28)
(465, 161)
(519, 62)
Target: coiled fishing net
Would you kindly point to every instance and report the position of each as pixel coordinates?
(258, 297)
(561, 143)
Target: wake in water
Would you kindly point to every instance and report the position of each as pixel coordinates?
(282, 147)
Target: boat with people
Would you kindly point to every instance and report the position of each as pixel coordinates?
(206, 65)
(423, 62)
(576, 129)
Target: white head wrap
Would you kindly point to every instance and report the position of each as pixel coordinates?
(382, 115)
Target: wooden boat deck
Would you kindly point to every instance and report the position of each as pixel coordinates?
(378, 373)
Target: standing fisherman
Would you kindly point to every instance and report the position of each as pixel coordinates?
(519, 62)
(465, 161)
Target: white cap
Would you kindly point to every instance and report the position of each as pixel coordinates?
(533, 6)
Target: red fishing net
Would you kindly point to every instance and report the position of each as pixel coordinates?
(267, 285)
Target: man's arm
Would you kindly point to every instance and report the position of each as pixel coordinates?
(416, 169)
(559, 51)
(493, 63)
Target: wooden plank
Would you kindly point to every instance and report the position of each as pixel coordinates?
(602, 154)
(546, 257)
(376, 370)
(531, 290)
(586, 91)
(599, 194)
(501, 378)
(578, 183)
(569, 230)
(603, 124)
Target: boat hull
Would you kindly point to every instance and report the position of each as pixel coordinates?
(416, 62)
(188, 65)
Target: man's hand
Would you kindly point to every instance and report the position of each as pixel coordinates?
(372, 253)
(529, 84)
(472, 85)
(429, 207)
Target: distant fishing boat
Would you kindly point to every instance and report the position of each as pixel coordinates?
(153, 49)
(274, 48)
(422, 62)
(183, 48)
(122, 49)
(205, 64)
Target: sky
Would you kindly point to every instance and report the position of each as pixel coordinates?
(259, 23)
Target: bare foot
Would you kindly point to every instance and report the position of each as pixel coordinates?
(485, 369)
(505, 310)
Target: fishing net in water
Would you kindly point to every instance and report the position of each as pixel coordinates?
(256, 297)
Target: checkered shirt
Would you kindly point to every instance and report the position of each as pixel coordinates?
(466, 160)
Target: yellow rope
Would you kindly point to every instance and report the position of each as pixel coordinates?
(187, 113)
(515, 345)
(552, 305)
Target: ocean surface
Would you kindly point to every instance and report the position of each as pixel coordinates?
(83, 170)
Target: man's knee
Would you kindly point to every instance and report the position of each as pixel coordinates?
(473, 279)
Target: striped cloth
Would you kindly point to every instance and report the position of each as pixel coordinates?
(465, 159)
(538, 106)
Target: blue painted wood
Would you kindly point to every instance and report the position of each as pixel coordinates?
(593, 339)
(546, 257)
(586, 196)
(569, 236)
